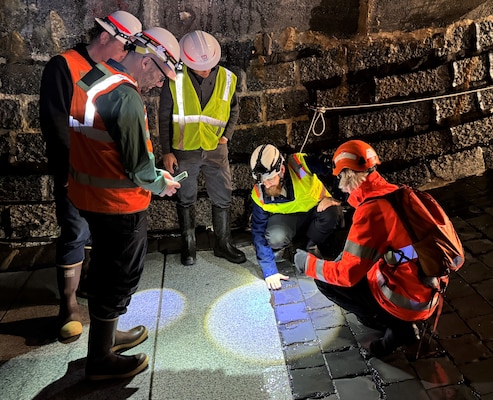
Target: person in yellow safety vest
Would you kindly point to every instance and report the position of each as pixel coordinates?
(288, 200)
(111, 178)
(197, 116)
(382, 295)
(110, 38)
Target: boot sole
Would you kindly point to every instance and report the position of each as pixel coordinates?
(129, 374)
(127, 346)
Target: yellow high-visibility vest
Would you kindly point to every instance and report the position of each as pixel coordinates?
(194, 128)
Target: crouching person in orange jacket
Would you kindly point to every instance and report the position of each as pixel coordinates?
(365, 279)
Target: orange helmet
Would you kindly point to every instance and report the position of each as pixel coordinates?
(356, 155)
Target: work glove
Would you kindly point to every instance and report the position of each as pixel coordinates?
(300, 260)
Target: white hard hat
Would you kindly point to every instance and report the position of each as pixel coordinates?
(163, 45)
(121, 24)
(265, 162)
(200, 50)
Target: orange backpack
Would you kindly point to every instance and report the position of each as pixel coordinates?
(433, 235)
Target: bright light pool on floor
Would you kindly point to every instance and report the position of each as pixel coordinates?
(246, 306)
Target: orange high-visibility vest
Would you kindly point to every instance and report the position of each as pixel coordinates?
(97, 179)
(77, 65)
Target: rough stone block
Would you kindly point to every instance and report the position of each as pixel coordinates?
(32, 117)
(263, 77)
(377, 53)
(459, 165)
(20, 78)
(250, 110)
(346, 94)
(457, 39)
(241, 177)
(488, 157)
(391, 119)
(485, 100)
(33, 221)
(29, 149)
(469, 70)
(416, 176)
(10, 114)
(484, 34)
(162, 215)
(286, 105)
(247, 140)
(322, 131)
(325, 66)
(433, 80)
(473, 133)
(453, 107)
(26, 188)
(414, 148)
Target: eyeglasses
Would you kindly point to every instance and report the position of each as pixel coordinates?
(163, 78)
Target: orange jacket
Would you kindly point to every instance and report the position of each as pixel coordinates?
(376, 228)
(97, 179)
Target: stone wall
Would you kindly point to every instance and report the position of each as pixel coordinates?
(422, 98)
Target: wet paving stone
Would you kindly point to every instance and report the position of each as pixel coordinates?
(311, 382)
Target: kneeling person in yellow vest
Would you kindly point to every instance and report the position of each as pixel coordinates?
(288, 200)
(112, 176)
(197, 116)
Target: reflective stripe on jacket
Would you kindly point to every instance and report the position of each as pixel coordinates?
(375, 229)
(194, 128)
(97, 179)
(308, 189)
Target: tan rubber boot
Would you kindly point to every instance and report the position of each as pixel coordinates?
(68, 281)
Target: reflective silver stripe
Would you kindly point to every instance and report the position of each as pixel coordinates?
(90, 132)
(180, 117)
(401, 301)
(199, 118)
(404, 254)
(362, 252)
(229, 80)
(319, 269)
(93, 91)
(104, 183)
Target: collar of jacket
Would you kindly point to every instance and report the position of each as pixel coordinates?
(374, 185)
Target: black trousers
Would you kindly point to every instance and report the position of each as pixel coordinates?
(119, 245)
(359, 300)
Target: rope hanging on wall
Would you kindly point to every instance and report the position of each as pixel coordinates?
(320, 110)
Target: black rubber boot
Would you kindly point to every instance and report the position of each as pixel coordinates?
(186, 219)
(125, 340)
(69, 318)
(223, 247)
(392, 339)
(102, 362)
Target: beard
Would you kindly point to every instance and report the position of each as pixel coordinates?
(274, 191)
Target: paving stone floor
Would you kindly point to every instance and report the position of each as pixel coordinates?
(323, 346)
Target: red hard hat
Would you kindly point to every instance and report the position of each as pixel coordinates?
(356, 155)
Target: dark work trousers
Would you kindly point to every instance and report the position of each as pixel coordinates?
(74, 230)
(119, 245)
(282, 228)
(214, 165)
(359, 300)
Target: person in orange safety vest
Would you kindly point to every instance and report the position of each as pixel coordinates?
(363, 279)
(112, 176)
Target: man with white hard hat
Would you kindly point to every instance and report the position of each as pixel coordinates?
(111, 179)
(197, 116)
(289, 200)
(111, 35)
